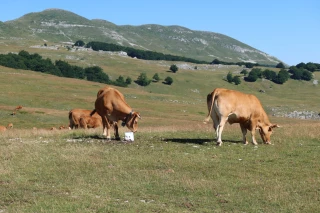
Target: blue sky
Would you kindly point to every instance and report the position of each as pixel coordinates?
(286, 29)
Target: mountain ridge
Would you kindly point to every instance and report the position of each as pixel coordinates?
(58, 25)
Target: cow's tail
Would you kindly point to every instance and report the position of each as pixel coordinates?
(70, 114)
(210, 96)
(71, 123)
(92, 112)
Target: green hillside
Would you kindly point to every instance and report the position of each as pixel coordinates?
(185, 99)
(63, 26)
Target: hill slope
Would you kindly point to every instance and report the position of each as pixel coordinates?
(57, 25)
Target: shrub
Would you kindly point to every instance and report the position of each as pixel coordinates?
(174, 68)
(156, 77)
(236, 80)
(143, 80)
(269, 74)
(79, 43)
(168, 80)
(128, 80)
(280, 65)
(229, 77)
(244, 72)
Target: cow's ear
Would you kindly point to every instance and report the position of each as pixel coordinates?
(273, 126)
(138, 115)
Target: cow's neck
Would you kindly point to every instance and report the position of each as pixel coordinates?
(265, 119)
(124, 112)
(126, 119)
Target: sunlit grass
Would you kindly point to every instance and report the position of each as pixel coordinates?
(166, 171)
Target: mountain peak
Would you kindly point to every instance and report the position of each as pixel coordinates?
(57, 25)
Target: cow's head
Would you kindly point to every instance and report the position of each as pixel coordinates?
(132, 121)
(266, 131)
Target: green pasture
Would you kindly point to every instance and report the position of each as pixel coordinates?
(173, 165)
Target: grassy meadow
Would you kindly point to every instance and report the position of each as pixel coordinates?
(173, 165)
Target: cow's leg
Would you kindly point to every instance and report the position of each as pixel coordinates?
(253, 132)
(215, 120)
(116, 132)
(106, 127)
(244, 133)
(222, 122)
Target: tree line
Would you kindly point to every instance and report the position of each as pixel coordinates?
(151, 55)
(35, 62)
(301, 71)
(26, 61)
(137, 53)
(246, 64)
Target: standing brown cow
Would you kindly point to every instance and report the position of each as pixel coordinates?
(111, 106)
(236, 107)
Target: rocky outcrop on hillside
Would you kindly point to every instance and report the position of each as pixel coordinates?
(304, 114)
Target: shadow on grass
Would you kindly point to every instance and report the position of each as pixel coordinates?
(199, 141)
(97, 137)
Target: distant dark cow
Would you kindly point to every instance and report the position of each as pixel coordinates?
(75, 114)
(111, 106)
(236, 107)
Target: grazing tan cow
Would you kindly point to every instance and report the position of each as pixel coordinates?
(112, 107)
(236, 107)
(75, 114)
(4, 128)
(90, 122)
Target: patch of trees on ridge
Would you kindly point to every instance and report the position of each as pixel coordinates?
(136, 53)
(246, 64)
(35, 62)
(151, 55)
(301, 71)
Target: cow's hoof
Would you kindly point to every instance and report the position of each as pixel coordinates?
(219, 143)
(118, 138)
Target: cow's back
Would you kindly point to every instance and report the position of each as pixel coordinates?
(109, 98)
(237, 106)
(110, 102)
